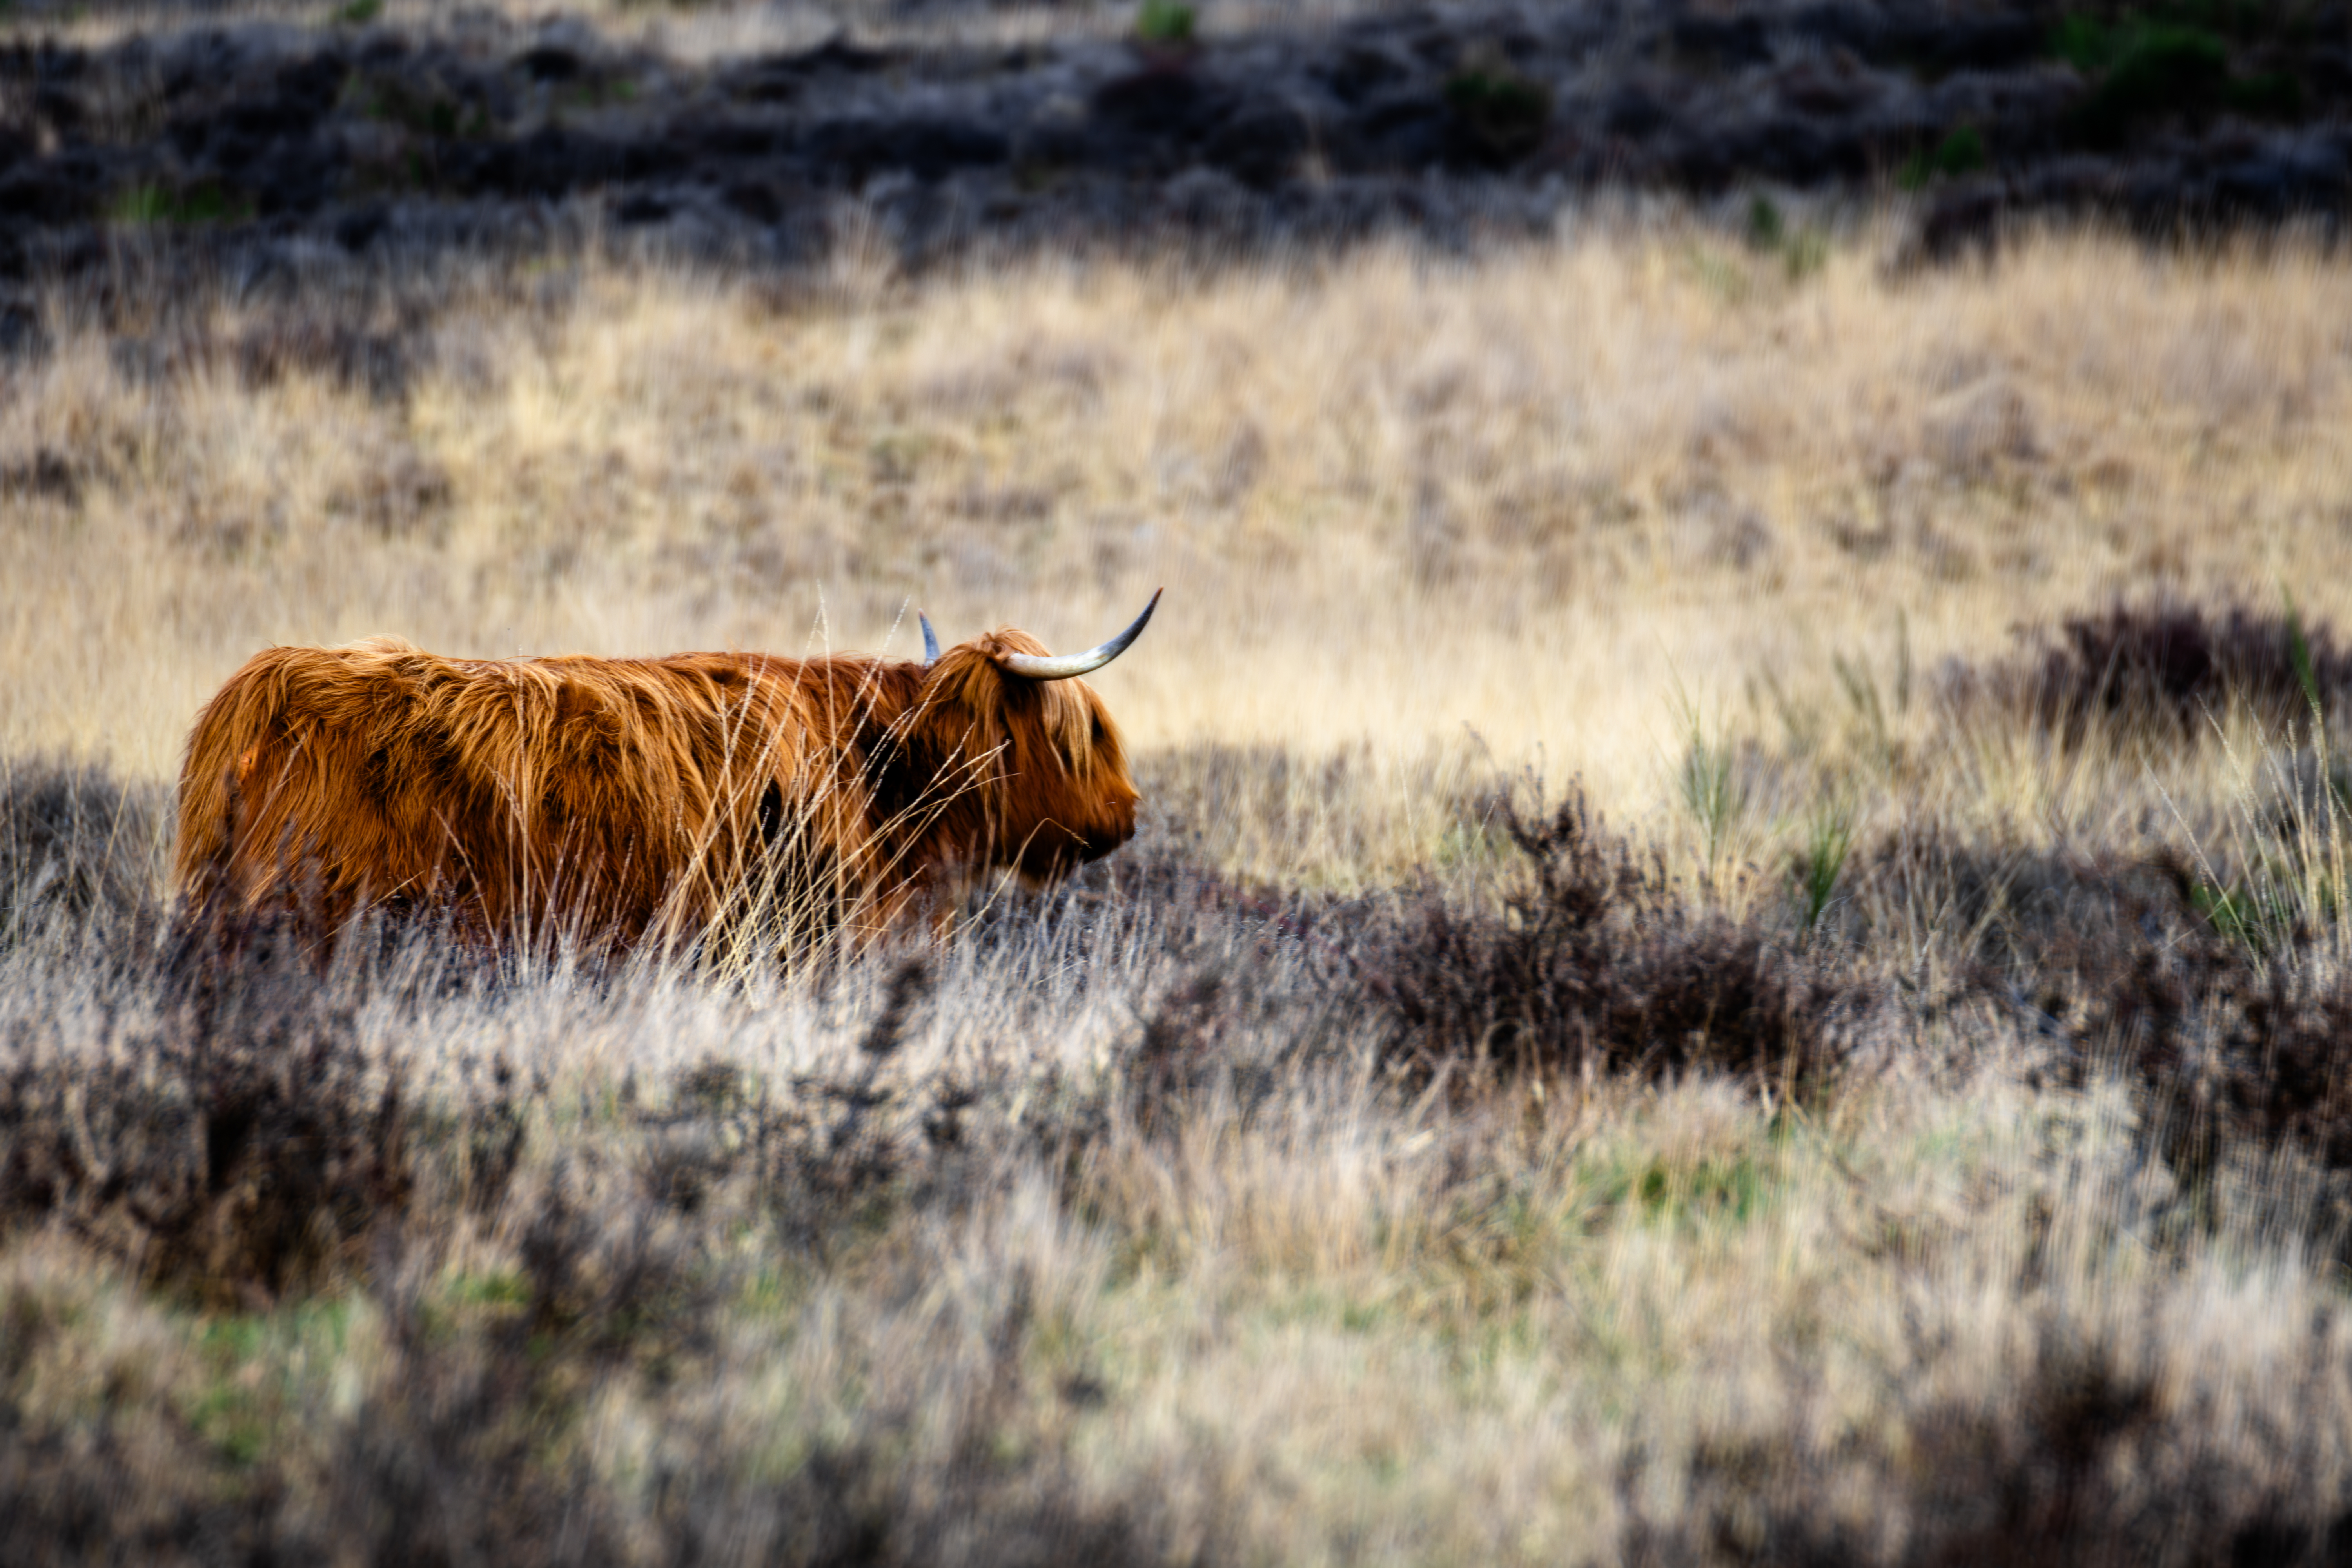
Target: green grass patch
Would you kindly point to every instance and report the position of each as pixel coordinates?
(1165, 24)
(1960, 153)
(255, 1366)
(1469, 843)
(428, 112)
(1802, 251)
(2178, 62)
(496, 1288)
(1716, 1189)
(1503, 110)
(1712, 789)
(145, 203)
(1829, 841)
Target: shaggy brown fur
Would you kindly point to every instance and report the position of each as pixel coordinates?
(616, 799)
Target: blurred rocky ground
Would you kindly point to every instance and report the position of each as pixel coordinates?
(261, 144)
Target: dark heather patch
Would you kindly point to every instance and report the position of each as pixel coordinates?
(1594, 962)
(2163, 669)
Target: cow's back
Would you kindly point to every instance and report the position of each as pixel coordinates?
(607, 796)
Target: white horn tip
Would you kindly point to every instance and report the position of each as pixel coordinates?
(1038, 667)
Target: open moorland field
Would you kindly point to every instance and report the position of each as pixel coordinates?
(1737, 950)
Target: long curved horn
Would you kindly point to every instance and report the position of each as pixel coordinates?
(1051, 669)
(930, 641)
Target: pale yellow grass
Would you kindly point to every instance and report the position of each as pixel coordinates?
(1396, 502)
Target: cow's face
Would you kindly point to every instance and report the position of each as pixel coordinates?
(1035, 768)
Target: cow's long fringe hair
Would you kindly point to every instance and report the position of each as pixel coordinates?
(736, 801)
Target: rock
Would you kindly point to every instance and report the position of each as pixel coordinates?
(1211, 205)
(1822, 89)
(565, 49)
(641, 208)
(2075, 181)
(1635, 111)
(1498, 113)
(2328, 70)
(734, 140)
(1957, 43)
(1858, 30)
(779, 79)
(1795, 149)
(551, 62)
(1406, 130)
(548, 163)
(836, 57)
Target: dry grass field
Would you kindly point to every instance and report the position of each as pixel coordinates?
(1540, 499)
(1899, 1118)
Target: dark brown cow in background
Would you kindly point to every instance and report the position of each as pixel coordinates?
(620, 799)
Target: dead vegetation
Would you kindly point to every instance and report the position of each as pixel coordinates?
(1378, 491)
(2168, 666)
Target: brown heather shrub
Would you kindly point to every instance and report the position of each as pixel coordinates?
(327, 345)
(235, 1143)
(1991, 901)
(1593, 963)
(2163, 667)
(2228, 1046)
(2079, 1463)
(75, 844)
(74, 1497)
(2233, 1030)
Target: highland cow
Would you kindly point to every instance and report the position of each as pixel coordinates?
(619, 800)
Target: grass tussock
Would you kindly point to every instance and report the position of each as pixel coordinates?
(1589, 960)
(2170, 668)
